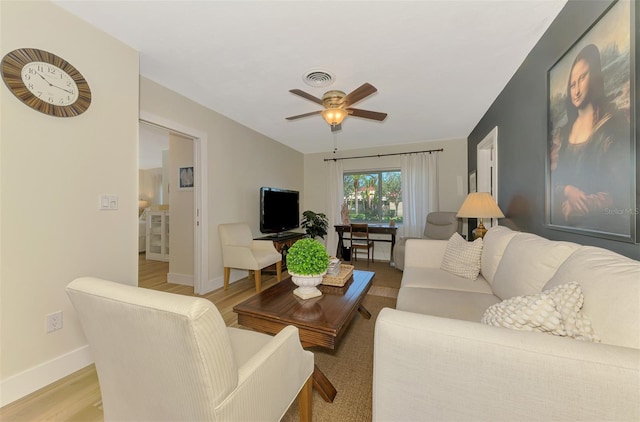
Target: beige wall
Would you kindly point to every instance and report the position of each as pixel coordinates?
(52, 173)
(239, 159)
(452, 171)
(149, 186)
(181, 213)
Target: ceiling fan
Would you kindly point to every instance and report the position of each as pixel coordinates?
(337, 105)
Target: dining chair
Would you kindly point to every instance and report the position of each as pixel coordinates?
(360, 240)
(167, 357)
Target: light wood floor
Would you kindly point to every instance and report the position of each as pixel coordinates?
(77, 396)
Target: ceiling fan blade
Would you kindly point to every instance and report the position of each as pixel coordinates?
(307, 96)
(367, 114)
(336, 128)
(358, 94)
(313, 113)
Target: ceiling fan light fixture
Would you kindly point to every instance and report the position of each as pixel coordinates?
(334, 116)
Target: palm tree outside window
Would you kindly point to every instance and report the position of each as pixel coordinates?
(373, 196)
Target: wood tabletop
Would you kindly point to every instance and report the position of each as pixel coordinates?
(321, 321)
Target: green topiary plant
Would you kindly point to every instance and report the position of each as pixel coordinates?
(307, 257)
(315, 224)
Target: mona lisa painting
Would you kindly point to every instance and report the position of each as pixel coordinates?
(591, 142)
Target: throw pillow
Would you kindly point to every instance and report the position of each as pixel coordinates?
(462, 258)
(556, 311)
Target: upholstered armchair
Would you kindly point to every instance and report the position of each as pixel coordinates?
(439, 225)
(240, 251)
(162, 356)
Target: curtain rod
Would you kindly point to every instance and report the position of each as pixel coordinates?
(384, 155)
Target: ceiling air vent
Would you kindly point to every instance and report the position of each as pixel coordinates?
(318, 78)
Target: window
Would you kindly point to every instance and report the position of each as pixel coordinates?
(374, 196)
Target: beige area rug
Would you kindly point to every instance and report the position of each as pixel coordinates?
(349, 368)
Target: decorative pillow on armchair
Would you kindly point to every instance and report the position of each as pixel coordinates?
(462, 258)
(556, 311)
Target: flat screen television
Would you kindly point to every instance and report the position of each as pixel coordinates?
(279, 210)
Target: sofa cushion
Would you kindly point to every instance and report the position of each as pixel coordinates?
(462, 258)
(493, 245)
(611, 286)
(555, 311)
(529, 261)
(435, 278)
(467, 306)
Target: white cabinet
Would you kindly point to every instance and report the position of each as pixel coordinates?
(158, 236)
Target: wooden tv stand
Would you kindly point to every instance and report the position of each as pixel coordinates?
(282, 242)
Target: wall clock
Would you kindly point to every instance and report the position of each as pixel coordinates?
(46, 82)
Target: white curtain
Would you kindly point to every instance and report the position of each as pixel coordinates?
(419, 191)
(335, 197)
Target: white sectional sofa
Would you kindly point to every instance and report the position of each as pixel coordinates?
(434, 360)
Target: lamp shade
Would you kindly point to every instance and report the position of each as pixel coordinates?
(479, 205)
(142, 203)
(334, 116)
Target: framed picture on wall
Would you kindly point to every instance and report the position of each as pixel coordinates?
(591, 180)
(185, 178)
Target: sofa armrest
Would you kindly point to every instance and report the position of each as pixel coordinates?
(424, 253)
(431, 368)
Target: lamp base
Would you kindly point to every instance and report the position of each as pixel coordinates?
(480, 231)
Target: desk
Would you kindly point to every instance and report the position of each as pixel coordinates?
(373, 229)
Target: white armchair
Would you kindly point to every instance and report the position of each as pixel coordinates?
(162, 356)
(239, 250)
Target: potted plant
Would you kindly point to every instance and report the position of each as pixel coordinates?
(315, 224)
(307, 262)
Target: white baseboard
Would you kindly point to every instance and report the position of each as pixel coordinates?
(19, 385)
(218, 282)
(183, 279)
(214, 284)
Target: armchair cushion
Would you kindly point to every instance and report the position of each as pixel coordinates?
(239, 250)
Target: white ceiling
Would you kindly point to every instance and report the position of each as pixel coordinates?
(437, 65)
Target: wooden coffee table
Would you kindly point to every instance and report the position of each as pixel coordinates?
(321, 321)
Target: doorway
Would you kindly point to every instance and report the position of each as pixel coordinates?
(487, 168)
(199, 220)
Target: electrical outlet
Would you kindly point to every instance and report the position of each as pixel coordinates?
(54, 321)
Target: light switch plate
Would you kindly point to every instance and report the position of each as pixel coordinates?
(108, 202)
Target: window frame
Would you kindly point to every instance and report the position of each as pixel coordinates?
(378, 173)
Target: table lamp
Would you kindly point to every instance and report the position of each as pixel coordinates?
(479, 205)
(142, 204)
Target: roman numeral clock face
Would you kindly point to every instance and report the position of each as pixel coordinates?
(46, 82)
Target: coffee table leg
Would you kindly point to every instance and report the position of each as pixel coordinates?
(363, 311)
(322, 384)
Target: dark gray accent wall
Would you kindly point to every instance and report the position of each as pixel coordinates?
(520, 112)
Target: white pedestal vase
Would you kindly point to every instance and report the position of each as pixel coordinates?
(307, 285)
